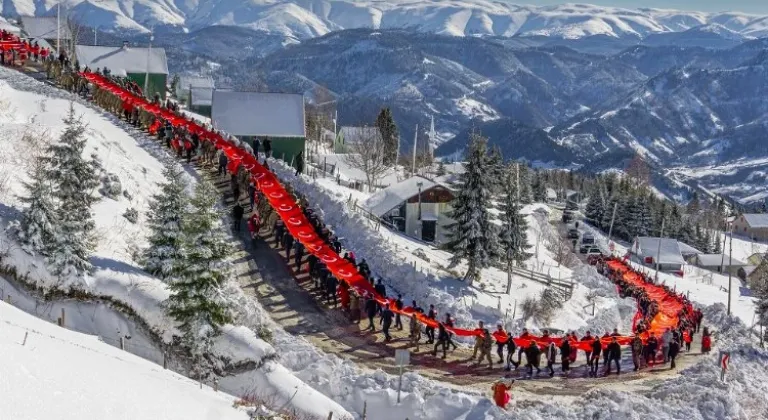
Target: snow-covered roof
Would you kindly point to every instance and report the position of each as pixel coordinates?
(714, 260)
(201, 96)
(188, 82)
(258, 113)
(686, 249)
(44, 27)
(353, 135)
(123, 60)
(551, 193)
(649, 247)
(394, 195)
(756, 220)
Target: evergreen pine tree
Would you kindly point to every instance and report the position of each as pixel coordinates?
(440, 168)
(512, 237)
(526, 193)
(595, 207)
(73, 183)
(645, 223)
(386, 125)
(539, 188)
(38, 226)
(716, 245)
(165, 256)
(197, 302)
(472, 236)
(496, 168)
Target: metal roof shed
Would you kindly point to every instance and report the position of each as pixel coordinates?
(132, 62)
(277, 116)
(668, 256)
(189, 82)
(200, 100)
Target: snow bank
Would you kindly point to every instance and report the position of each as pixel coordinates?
(38, 379)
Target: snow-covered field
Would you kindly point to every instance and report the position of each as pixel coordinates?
(67, 375)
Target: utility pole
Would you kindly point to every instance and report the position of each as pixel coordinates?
(415, 140)
(658, 251)
(96, 36)
(58, 28)
(610, 229)
(730, 264)
(149, 53)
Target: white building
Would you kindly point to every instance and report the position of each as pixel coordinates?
(189, 82)
(417, 207)
(646, 250)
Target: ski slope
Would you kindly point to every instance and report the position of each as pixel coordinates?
(64, 375)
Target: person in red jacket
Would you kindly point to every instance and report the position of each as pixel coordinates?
(500, 395)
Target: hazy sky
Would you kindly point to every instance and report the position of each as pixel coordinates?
(747, 6)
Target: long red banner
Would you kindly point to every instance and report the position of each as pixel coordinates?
(298, 225)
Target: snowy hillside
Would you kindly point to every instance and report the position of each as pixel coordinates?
(31, 115)
(38, 378)
(309, 18)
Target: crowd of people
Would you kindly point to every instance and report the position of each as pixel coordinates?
(15, 51)
(545, 351)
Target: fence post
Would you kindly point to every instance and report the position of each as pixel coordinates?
(26, 334)
(215, 384)
(63, 318)
(122, 343)
(365, 409)
(330, 415)
(165, 360)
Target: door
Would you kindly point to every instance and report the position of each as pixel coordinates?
(428, 230)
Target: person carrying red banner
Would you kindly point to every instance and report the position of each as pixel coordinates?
(501, 338)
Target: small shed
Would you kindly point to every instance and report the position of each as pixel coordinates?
(752, 225)
(188, 82)
(756, 258)
(714, 262)
(46, 27)
(651, 251)
(417, 207)
(354, 135)
(759, 276)
(138, 64)
(248, 115)
(200, 100)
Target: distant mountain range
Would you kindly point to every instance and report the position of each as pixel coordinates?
(303, 19)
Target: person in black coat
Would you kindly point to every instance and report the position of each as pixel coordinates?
(300, 163)
(386, 321)
(614, 355)
(298, 255)
(674, 350)
(371, 307)
(399, 306)
(381, 289)
(533, 356)
(237, 216)
(597, 348)
(222, 163)
(565, 355)
(511, 348)
(267, 148)
(330, 289)
(442, 340)
(288, 245)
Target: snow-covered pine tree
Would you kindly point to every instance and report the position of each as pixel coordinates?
(496, 167)
(526, 193)
(716, 246)
(595, 207)
(472, 236)
(645, 222)
(197, 302)
(539, 188)
(165, 256)
(73, 183)
(37, 228)
(512, 237)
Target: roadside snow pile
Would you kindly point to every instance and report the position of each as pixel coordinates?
(38, 379)
(31, 115)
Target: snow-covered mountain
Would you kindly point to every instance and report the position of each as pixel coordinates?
(303, 19)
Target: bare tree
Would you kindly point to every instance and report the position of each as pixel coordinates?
(365, 151)
(638, 169)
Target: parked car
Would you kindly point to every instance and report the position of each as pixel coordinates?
(593, 251)
(587, 242)
(573, 233)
